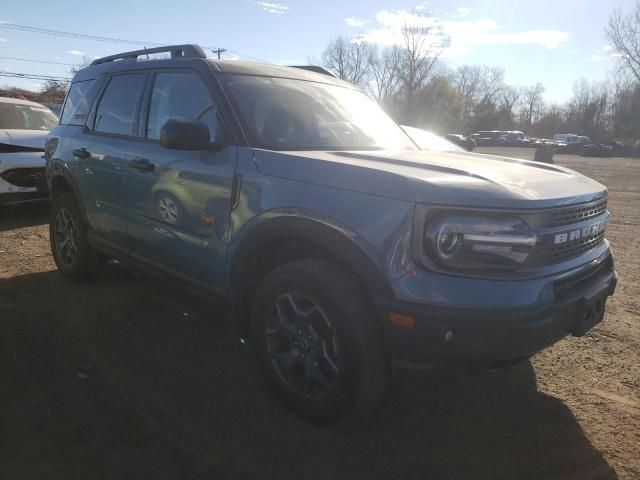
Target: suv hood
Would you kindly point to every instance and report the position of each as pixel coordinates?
(449, 178)
(30, 139)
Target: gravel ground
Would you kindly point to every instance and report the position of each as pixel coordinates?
(130, 377)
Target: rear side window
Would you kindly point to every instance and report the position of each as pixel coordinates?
(118, 105)
(78, 103)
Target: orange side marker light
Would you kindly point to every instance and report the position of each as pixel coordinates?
(400, 320)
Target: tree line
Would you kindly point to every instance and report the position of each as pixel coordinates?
(416, 87)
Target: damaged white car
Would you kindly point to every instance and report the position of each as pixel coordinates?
(23, 130)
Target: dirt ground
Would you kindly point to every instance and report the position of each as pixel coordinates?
(129, 377)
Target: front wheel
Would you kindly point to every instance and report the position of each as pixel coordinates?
(319, 341)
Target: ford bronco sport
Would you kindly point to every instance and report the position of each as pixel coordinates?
(340, 247)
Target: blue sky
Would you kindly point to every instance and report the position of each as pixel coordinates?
(553, 42)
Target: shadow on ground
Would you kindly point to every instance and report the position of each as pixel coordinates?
(130, 378)
(24, 215)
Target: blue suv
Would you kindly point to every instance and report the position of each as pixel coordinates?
(340, 247)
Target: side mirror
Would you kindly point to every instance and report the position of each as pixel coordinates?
(183, 134)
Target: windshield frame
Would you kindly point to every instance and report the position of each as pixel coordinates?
(224, 79)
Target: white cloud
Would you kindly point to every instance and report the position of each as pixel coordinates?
(596, 58)
(3, 39)
(355, 22)
(75, 52)
(277, 8)
(463, 12)
(607, 48)
(464, 34)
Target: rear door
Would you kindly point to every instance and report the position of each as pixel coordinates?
(179, 201)
(99, 152)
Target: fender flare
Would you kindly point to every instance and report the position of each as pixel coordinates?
(336, 239)
(58, 170)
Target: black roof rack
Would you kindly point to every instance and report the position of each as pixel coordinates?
(314, 68)
(176, 51)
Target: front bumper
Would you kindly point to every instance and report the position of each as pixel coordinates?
(22, 177)
(489, 336)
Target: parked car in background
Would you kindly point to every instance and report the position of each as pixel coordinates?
(487, 138)
(516, 138)
(465, 142)
(570, 142)
(597, 150)
(23, 130)
(430, 141)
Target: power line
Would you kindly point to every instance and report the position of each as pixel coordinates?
(33, 76)
(84, 36)
(60, 33)
(100, 38)
(39, 61)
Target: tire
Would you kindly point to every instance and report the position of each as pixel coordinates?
(342, 376)
(81, 265)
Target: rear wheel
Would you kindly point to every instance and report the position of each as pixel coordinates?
(71, 250)
(318, 340)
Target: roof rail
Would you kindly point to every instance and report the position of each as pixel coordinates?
(176, 51)
(314, 68)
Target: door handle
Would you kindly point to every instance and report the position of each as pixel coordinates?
(142, 164)
(82, 153)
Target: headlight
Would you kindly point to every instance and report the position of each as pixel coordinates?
(461, 242)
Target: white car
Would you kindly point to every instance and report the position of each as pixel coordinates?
(23, 131)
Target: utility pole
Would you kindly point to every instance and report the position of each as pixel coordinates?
(218, 51)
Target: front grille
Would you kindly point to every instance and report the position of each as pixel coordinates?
(570, 215)
(25, 177)
(566, 251)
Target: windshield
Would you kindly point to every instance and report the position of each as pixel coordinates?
(14, 116)
(430, 141)
(287, 114)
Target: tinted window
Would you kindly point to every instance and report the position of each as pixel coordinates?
(26, 117)
(78, 103)
(118, 104)
(180, 95)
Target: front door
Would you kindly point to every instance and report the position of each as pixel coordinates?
(179, 201)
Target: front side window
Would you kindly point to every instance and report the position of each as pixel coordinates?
(181, 95)
(288, 114)
(15, 116)
(118, 105)
(78, 103)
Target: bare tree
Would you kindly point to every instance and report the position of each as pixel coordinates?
(509, 98)
(624, 32)
(467, 82)
(420, 50)
(384, 73)
(53, 91)
(478, 85)
(533, 102)
(85, 62)
(348, 59)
